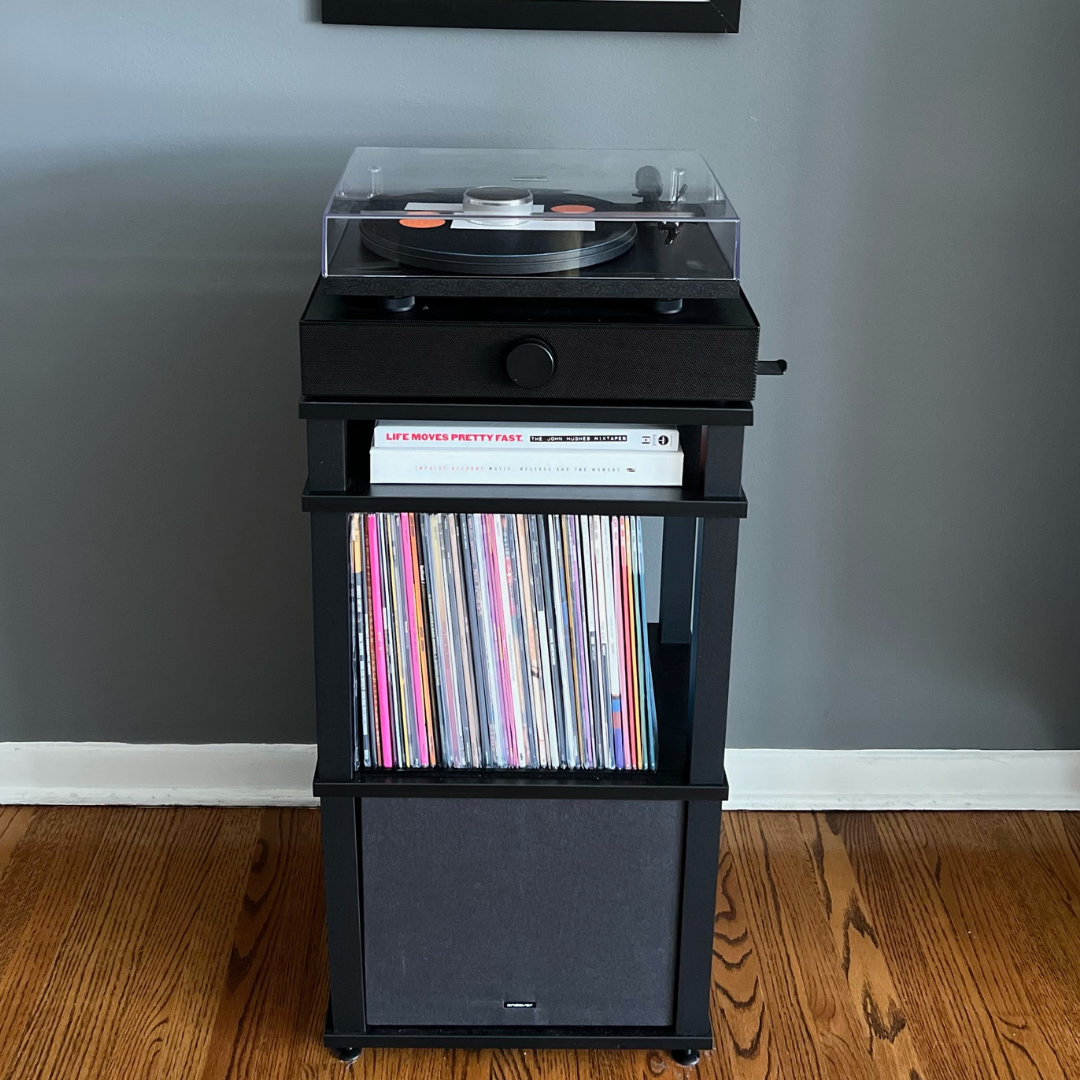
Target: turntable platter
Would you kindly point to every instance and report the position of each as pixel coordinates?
(496, 241)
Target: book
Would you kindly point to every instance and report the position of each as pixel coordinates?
(629, 468)
(509, 436)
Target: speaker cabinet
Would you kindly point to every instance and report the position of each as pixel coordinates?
(454, 349)
(518, 912)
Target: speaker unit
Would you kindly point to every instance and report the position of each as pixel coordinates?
(519, 912)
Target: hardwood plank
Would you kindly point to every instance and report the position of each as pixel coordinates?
(46, 879)
(1001, 913)
(274, 997)
(886, 1034)
(172, 998)
(103, 1006)
(14, 821)
(741, 1011)
(813, 1020)
(951, 1026)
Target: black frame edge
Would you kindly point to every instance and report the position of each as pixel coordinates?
(636, 16)
(701, 414)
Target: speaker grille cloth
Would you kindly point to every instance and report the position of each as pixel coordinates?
(567, 906)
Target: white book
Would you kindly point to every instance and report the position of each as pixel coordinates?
(525, 436)
(630, 468)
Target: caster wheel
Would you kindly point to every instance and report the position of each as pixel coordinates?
(686, 1058)
(346, 1054)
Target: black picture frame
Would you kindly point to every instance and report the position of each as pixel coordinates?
(667, 16)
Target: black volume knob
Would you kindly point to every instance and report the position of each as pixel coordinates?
(530, 364)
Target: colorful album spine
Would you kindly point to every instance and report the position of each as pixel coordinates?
(564, 648)
(476, 655)
(596, 670)
(438, 692)
(553, 667)
(380, 643)
(623, 625)
(420, 589)
(471, 712)
(442, 611)
(523, 578)
(620, 636)
(355, 655)
(639, 653)
(519, 658)
(581, 611)
(614, 630)
(507, 647)
(446, 631)
(369, 631)
(487, 666)
(492, 577)
(548, 663)
(364, 666)
(402, 652)
(439, 644)
(650, 697)
(607, 694)
(456, 640)
(393, 670)
(416, 678)
(581, 643)
(628, 637)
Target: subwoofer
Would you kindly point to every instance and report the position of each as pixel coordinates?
(549, 912)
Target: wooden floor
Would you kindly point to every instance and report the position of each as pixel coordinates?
(189, 943)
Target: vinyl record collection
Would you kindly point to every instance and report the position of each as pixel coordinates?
(500, 641)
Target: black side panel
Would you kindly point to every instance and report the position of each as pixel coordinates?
(569, 908)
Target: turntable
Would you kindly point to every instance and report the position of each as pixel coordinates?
(450, 258)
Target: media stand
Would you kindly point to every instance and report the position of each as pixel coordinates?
(524, 908)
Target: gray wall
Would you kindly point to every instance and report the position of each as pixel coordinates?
(908, 177)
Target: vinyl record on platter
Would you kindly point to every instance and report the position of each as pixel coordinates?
(423, 238)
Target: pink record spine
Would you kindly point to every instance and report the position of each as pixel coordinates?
(622, 733)
(414, 651)
(628, 639)
(380, 644)
(502, 638)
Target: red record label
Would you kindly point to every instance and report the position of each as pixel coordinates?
(422, 220)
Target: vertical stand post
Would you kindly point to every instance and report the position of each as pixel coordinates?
(712, 608)
(334, 725)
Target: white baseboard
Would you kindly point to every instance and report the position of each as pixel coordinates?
(279, 774)
(763, 779)
(148, 774)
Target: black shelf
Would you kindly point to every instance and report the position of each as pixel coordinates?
(671, 676)
(719, 414)
(362, 497)
(523, 1038)
(519, 783)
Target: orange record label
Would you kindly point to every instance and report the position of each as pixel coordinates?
(422, 220)
(573, 208)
